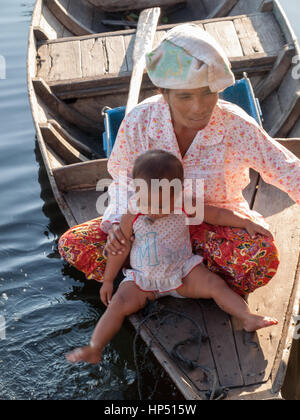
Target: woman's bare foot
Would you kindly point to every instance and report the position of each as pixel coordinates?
(256, 322)
(84, 354)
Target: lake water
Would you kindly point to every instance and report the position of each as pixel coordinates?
(46, 306)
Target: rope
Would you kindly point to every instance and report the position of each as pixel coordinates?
(153, 309)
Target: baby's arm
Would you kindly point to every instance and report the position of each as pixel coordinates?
(115, 262)
(224, 217)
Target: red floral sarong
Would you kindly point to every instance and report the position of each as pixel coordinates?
(244, 263)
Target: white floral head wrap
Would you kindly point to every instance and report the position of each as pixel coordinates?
(189, 58)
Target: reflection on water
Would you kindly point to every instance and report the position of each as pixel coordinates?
(48, 307)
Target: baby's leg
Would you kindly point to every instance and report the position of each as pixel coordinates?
(127, 300)
(202, 283)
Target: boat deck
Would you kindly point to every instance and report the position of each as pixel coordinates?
(79, 66)
(247, 370)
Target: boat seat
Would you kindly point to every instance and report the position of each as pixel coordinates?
(240, 94)
(80, 17)
(90, 65)
(77, 16)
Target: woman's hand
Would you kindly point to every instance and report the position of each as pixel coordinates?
(116, 240)
(254, 228)
(106, 292)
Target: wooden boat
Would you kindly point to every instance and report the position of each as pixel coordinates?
(75, 67)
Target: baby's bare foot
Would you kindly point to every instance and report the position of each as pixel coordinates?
(84, 354)
(256, 322)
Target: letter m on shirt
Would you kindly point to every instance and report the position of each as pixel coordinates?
(146, 254)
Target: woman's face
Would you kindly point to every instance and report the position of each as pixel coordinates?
(191, 108)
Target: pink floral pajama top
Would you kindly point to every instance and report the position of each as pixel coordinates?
(221, 154)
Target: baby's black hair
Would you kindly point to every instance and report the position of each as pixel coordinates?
(158, 164)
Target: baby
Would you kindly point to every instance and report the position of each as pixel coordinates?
(162, 261)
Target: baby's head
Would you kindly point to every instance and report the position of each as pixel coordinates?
(164, 172)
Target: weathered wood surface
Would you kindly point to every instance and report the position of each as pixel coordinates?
(61, 109)
(237, 364)
(276, 298)
(77, 59)
(88, 146)
(83, 204)
(282, 107)
(62, 148)
(117, 5)
(81, 176)
(79, 17)
(272, 81)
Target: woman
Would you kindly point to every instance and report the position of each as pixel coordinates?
(215, 141)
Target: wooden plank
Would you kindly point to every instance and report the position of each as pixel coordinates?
(284, 23)
(225, 34)
(175, 329)
(273, 299)
(40, 34)
(248, 36)
(272, 111)
(95, 86)
(81, 176)
(289, 100)
(67, 33)
(288, 90)
(116, 5)
(100, 90)
(75, 24)
(65, 61)
(82, 204)
(159, 28)
(62, 110)
(49, 24)
(36, 16)
(188, 390)
(92, 58)
(251, 356)
(115, 53)
(270, 34)
(55, 161)
(256, 80)
(289, 119)
(295, 133)
(219, 330)
(43, 61)
(81, 142)
(279, 70)
(62, 148)
(253, 65)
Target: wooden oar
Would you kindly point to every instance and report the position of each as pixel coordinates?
(143, 44)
